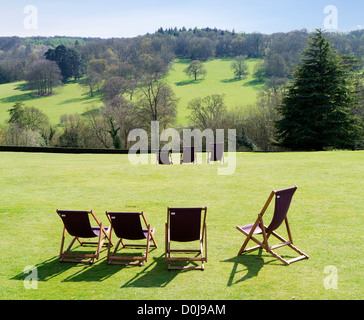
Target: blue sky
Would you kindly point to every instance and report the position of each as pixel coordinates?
(129, 18)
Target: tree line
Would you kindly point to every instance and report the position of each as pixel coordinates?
(280, 51)
(128, 76)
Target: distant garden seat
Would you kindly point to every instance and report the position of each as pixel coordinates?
(186, 225)
(282, 203)
(127, 226)
(164, 157)
(188, 155)
(77, 224)
(215, 152)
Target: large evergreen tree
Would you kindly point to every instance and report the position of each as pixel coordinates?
(316, 112)
(69, 60)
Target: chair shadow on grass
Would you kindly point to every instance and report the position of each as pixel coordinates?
(52, 268)
(152, 274)
(155, 274)
(47, 269)
(252, 264)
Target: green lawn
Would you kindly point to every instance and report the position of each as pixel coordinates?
(326, 219)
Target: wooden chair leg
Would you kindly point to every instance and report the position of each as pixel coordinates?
(62, 242)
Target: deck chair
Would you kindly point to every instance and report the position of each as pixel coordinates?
(164, 157)
(77, 224)
(188, 155)
(282, 202)
(127, 226)
(185, 225)
(215, 152)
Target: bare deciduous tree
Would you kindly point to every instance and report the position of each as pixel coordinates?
(208, 112)
(158, 102)
(43, 76)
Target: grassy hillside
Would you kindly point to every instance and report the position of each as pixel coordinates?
(68, 99)
(219, 79)
(73, 98)
(326, 221)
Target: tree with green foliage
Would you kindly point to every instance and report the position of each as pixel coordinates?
(239, 67)
(69, 60)
(17, 114)
(29, 118)
(259, 72)
(29, 125)
(195, 69)
(316, 111)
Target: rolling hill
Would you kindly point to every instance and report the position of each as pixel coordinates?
(74, 98)
(219, 79)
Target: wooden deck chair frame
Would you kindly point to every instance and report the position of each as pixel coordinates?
(114, 258)
(259, 228)
(191, 151)
(103, 234)
(211, 152)
(202, 240)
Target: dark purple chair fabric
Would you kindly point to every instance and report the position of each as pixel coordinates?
(127, 225)
(282, 203)
(185, 224)
(188, 154)
(77, 224)
(217, 150)
(163, 157)
(247, 228)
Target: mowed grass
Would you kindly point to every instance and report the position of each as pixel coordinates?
(326, 219)
(74, 98)
(218, 80)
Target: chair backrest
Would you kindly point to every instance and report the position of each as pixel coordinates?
(127, 225)
(163, 157)
(185, 223)
(217, 150)
(188, 154)
(283, 200)
(77, 223)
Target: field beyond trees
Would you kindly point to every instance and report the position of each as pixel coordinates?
(326, 219)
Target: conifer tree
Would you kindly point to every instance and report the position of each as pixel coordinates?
(316, 112)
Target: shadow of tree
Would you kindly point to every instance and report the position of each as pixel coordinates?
(188, 82)
(22, 87)
(85, 98)
(253, 83)
(20, 97)
(231, 80)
